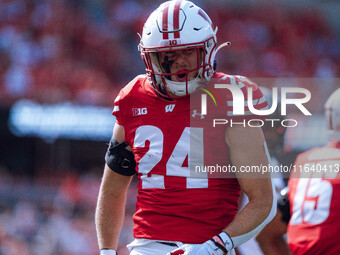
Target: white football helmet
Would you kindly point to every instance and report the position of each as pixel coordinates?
(332, 113)
(178, 25)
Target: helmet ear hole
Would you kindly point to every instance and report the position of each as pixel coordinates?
(215, 65)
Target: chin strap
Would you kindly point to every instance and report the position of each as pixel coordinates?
(179, 88)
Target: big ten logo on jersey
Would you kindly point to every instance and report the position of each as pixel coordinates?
(139, 111)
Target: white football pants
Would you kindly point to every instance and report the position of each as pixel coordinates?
(155, 247)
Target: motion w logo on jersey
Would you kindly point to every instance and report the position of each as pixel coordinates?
(169, 107)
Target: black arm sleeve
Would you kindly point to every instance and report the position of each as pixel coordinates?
(283, 205)
(119, 159)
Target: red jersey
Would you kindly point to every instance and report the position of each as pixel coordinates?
(178, 200)
(314, 197)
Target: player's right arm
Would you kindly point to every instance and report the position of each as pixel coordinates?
(111, 200)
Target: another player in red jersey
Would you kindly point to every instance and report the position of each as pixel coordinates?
(314, 194)
(163, 136)
(313, 198)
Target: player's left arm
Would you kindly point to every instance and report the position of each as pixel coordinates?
(247, 149)
(271, 239)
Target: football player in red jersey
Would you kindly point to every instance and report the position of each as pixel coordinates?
(312, 205)
(157, 137)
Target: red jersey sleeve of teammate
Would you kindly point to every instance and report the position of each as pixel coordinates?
(252, 100)
(315, 202)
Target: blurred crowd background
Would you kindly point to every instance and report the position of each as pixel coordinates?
(82, 52)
